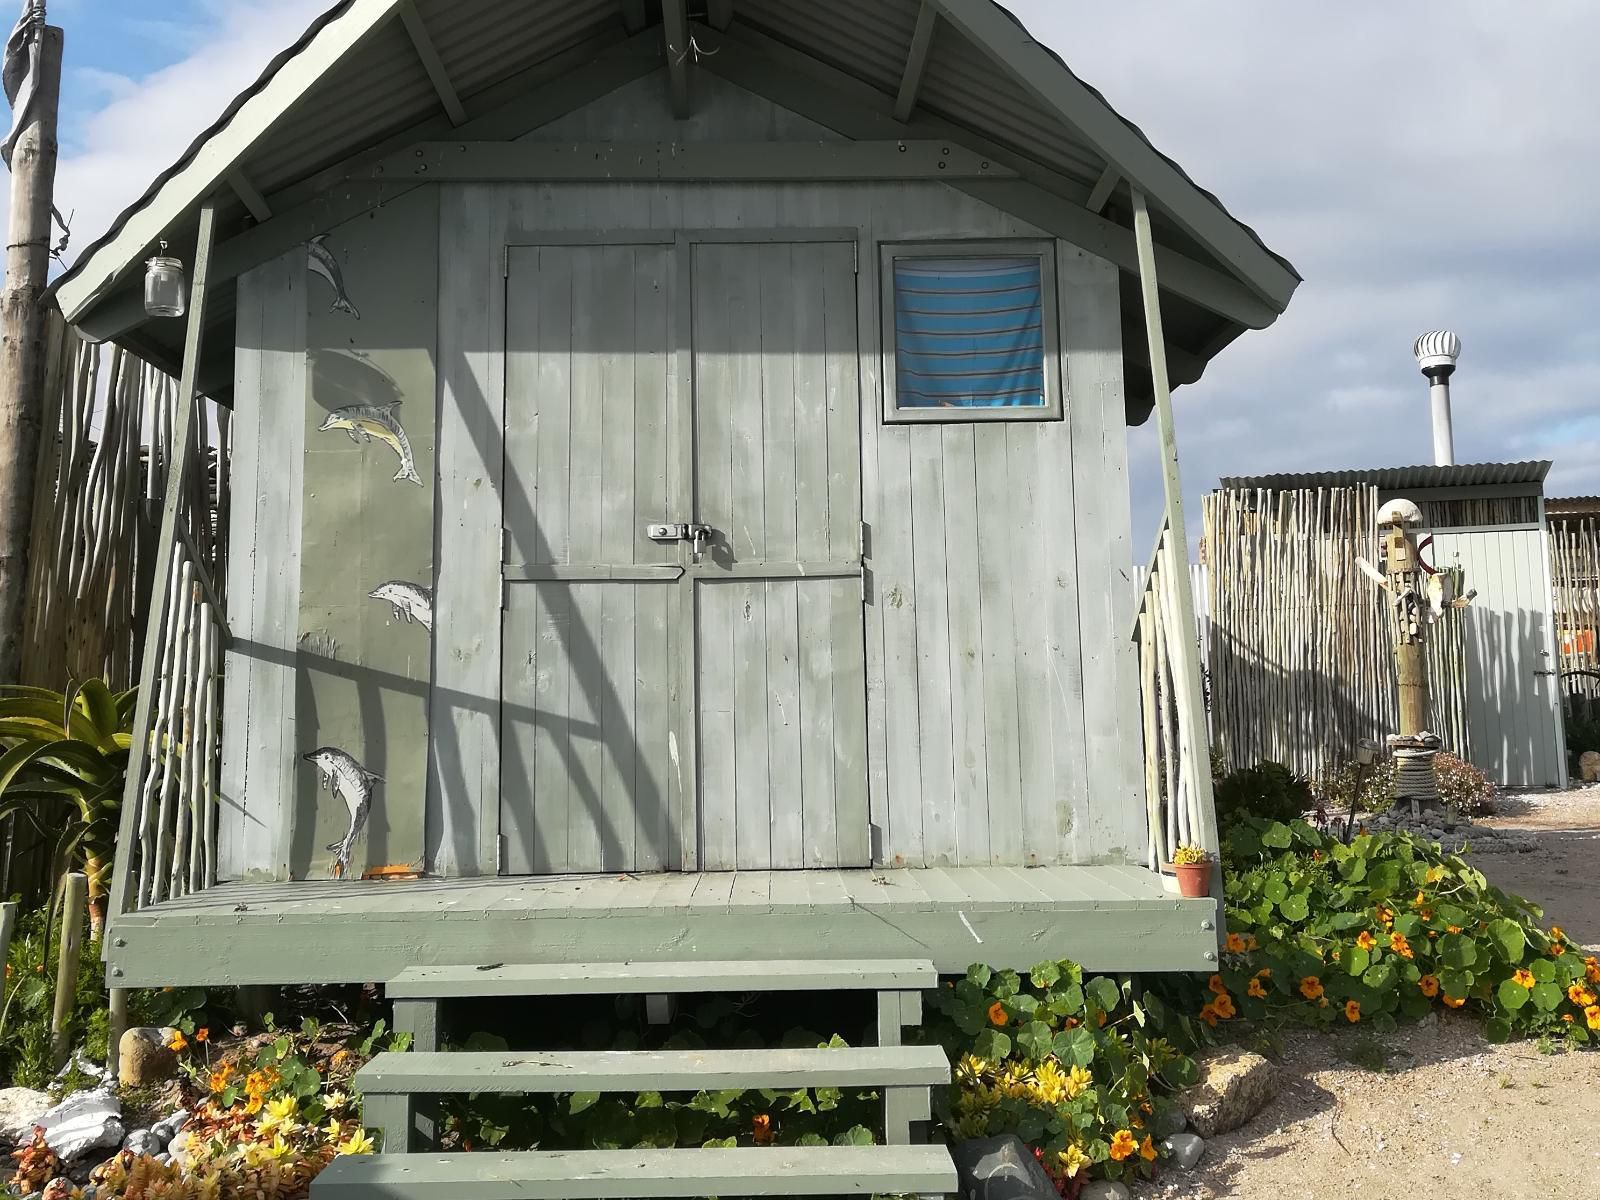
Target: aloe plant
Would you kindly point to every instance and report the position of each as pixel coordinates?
(63, 763)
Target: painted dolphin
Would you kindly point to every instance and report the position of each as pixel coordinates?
(363, 422)
(410, 602)
(352, 783)
(321, 261)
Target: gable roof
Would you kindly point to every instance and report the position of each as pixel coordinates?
(371, 76)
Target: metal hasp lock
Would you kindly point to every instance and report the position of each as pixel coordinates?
(698, 536)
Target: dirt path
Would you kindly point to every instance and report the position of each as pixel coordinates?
(1450, 1115)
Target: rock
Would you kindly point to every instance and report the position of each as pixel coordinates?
(143, 1057)
(1000, 1168)
(1234, 1086)
(1168, 1119)
(59, 1188)
(1185, 1149)
(1104, 1189)
(181, 1151)
(1589, 766)
(144, 1141)
(163, 1158)
(85, 1122)
(20, 1110)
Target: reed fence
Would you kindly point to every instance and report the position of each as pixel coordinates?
(1575, 579)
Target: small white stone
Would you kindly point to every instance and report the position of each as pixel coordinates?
(1104, 1189)
(1185, 1149)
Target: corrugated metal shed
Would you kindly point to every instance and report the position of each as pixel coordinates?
(1390, 479)
(1572, 506)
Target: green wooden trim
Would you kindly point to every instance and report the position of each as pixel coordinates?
(916, 61)
(633, 17)
(679, 162)
(128, 828)
(711, 572)
(595, 1174)
(432, 63)
(1109, 178)
(681, 407)
(719, 13)
(644, 978)
(563, 573)
(675, 33)
(464, 1072)
(419, 1018)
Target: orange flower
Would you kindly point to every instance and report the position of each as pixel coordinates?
(1429, 985)
(1208, 1014)
(1352, 1011)
(202, 1035)
(997, 1013)
(1568, 1018)
(1123, 1146)
(1255, 989)
(1557, 933)
(179, 1043)
(1250, 943)
(1311, 987)
(1235, 944)
(1418, 902)
(1385, 916)
(1224, 1006)
(1102, 1019)
(1525, 978)
(761, 1129)
(1427, 914)
(1557, 950)
(1591, 969)
(1217, 986)
(1398, 943)
(1147, 1149)
(1580, 995)
(1592, 1016)
(1264, 973)
(1454, 1001)
(1366, 941)
(1452, 929)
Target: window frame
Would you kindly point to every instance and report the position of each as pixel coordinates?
(1042, 249)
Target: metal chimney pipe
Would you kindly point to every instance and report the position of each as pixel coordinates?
(1437, 354)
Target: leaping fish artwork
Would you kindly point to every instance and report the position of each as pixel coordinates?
(321, 261)
(352, 783)
(363, 422)
(409, 601)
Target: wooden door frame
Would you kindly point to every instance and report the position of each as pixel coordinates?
(684, 803)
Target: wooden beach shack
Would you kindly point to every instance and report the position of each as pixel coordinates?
(681, 537)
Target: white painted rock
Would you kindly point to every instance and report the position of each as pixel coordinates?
(85, 1122)
(143, 1057)
(1234, 1086)
(20, 1110)
(1185, 1149)
(182, 1149)
(1104, 1189)
(143, 1141)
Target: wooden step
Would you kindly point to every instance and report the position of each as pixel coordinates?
(655, 978)
(464, 1072)
(599, 1174)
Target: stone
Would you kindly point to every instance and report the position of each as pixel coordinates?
(1000, 1168)
(59, 1188)
(1104, 1189)
(144, 1141)
(181, 1151)
(1589, 766)
(1234, 1086)
(20, 1110)
(144, 1057)
(85, 1122)
(1168, 1119)
(1185, 1149)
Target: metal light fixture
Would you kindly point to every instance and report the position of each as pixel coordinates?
(164, 291)
(1437, 354)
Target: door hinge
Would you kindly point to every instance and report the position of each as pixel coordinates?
(855, 257)
(500, 854)
(505, 263)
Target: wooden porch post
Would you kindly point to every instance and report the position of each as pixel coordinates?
(1192, 690)
(166, 545)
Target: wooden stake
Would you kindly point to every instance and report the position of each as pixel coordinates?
(75, 898)
(23, 345)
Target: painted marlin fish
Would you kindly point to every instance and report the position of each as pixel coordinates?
(352, 783)
(409, 601)
(321, 261)
(363, 422)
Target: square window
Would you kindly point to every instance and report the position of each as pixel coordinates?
(970, 333)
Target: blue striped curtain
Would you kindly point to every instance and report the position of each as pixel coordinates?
(969, 332)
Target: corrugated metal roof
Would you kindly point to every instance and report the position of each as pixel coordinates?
(1572, 506)
(1390, 479)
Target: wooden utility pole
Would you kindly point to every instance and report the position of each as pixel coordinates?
(23, 341)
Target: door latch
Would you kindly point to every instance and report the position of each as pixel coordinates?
(698, 536)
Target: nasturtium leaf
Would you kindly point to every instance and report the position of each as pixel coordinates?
(1410, 972)
(1353, 868)
(1497, 1029)
(1356, 960)
(980, 974)
(1104, 992)
(1276, 836)
(1456, 950)
(1543, 970)
(582, 1101)
(1275, 890)
(1181, 1072)
(1295, 907)
(1075, 1047)
(1245, 842)
(1456, 984)
(1546, 997)
(1045, 975)
(1508, 935)
(1512, 995)
(1035, 1040)
(1383, 879)
(1450, 915)
(1262, 913)
(1073, 998)
(991, 1045)
(1409, 924)
(1025, 1003)
(856, 1135)
(1379, 978)
(1348, 920)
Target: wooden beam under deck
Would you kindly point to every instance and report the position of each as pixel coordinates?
(1109, 918)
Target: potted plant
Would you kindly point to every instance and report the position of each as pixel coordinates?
(1192, 866)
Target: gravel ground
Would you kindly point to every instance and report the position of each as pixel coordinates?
(1450, 1114)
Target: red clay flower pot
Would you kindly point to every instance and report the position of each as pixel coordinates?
(1194, 879)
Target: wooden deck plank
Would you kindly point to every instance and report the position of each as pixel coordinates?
(639, 978)
(594, 1174)
(751, 889)
(463, 1072)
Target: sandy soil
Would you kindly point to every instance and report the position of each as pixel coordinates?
(1450, 1114)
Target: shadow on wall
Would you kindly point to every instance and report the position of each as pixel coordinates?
(1512, 697)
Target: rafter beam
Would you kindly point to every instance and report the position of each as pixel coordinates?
(916, 61)
(432, 63)
(633, 18)
(252, 199)
(1107, 183)
(719, 13)
(675, 30)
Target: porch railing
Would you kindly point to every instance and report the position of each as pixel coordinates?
(1177, 751)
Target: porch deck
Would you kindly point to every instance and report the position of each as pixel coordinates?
(1110, 918)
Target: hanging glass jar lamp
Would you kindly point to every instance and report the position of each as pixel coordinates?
(164, 291)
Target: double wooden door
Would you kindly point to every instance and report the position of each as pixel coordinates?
(684, 673)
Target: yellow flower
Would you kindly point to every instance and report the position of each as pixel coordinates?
(1255, 989)
(1078, 1081)
(358, 1143)
(1591, 969)
(283, 1108)
(1250, 943)
(1311, 987)
(997, 1013)
(1557, 934)
(1592, 1016)
(280, 1149)
(1352, 1011)
(1073, 1160)
(1454, 1001)
(1429, 985)
(1398, 943)
(337, 1099)
(179, 1043)
(1050, 1082)
(1123, 1146)
(333, 1130)
(1235, 944)
(1418, 902)
(1385, 916)
(1452, 929)
(1147, 1149)
(1434, 874)
(1366, 941)
(1525, 978)
(1580, 995)
(253, 1105)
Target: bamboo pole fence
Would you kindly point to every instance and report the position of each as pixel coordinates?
(1575, 581)
(1300, 642)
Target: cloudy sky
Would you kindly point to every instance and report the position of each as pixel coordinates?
(1423, 164)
